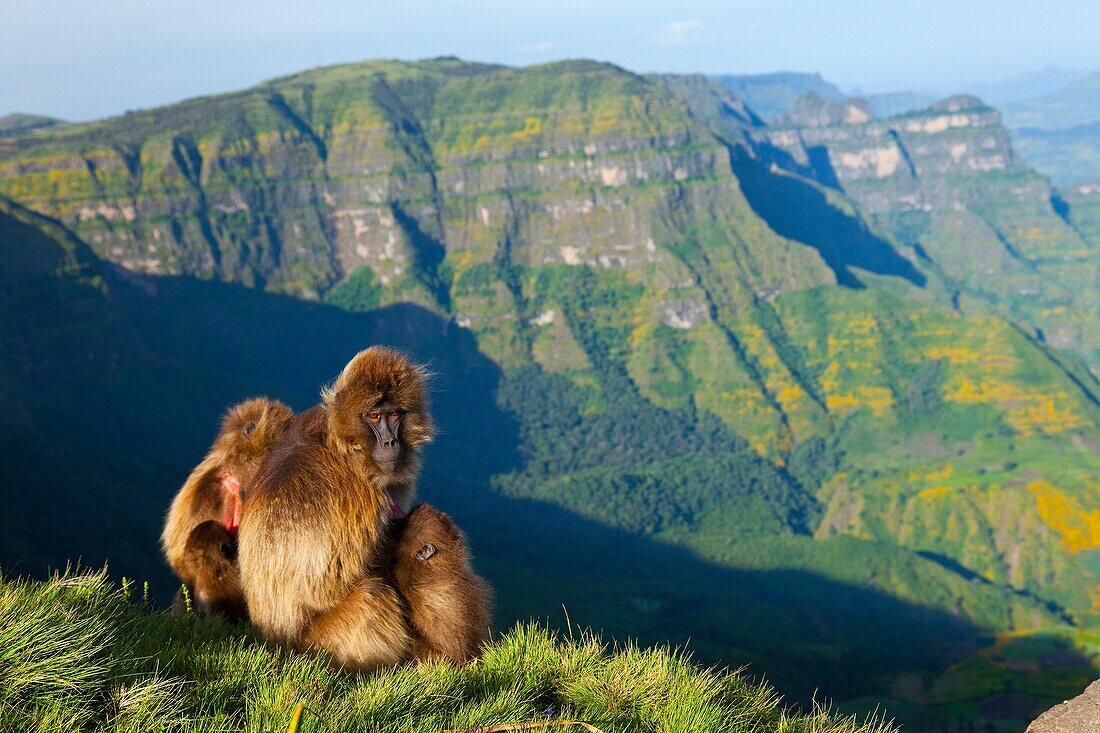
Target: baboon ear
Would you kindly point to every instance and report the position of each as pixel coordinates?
(425, 552)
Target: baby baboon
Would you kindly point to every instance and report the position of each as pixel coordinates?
(212, 494)
(210, 560)
(449, 605)
(314, 526)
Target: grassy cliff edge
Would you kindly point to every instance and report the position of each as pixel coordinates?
(78, 652)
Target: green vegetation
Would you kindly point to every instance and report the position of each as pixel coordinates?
(79, 653)
(821, 410)
(359, 293)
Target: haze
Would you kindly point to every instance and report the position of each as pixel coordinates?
(80, 60)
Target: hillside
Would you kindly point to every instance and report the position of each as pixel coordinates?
(946, 182)
(771, 95)
(1058, 132)
(18, 123)
(80, 653)
(1068, 156)
(798, 423)
(1073, 104)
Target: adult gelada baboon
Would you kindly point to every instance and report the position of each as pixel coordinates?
(312, 539)
(449, 605)
(212, 494)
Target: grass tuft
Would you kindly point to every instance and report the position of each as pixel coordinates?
(77, 654)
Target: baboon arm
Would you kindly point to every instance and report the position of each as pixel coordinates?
(365, 631)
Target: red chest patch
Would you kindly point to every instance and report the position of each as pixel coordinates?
(231, 504)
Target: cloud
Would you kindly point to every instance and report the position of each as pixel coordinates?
(543, 47)
(679, 32)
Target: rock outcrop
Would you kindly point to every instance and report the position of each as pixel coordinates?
(1079, 715)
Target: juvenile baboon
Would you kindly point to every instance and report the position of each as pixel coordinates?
(449, 605)
(210, 560)
(313, 531)
(212, 494)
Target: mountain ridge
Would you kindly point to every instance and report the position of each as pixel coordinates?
(594, 256)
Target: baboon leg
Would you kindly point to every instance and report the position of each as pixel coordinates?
(365, 631)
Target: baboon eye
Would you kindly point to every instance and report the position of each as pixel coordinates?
(374, 416)
(395, 414)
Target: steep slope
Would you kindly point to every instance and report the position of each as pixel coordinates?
(717, 355)
(771, 95)
(77, 390)
(946, 182)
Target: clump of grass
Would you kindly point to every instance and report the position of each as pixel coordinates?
(77, 654)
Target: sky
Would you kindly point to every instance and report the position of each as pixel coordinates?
(85, 59)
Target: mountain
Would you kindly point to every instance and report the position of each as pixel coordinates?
(946, 182)
(1070, 106)
(18, 123)
(1070, 155)
(1025, 86)
(1058, 131)
(812, 110)
(888, 104)
(778, 390)
(771, 95)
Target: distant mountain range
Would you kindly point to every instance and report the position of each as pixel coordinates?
(817, 394)
(1052, 112)
(1070, 106)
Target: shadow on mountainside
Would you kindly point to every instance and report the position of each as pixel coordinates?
(798, 210)
(109, 405)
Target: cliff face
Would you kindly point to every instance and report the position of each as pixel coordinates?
(900, 160)
(945, 181)
(294, 185)
(703, 330)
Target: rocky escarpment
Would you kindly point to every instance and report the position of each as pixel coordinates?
(294, 185)
(1079, 715)
(946, 182)
(903, 155)
(686, 333)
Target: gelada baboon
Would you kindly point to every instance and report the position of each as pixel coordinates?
(312, 540)
(212, 494)
(448, 604)
(210, 558)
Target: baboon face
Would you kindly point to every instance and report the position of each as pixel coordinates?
(385, 422)
(377, 407)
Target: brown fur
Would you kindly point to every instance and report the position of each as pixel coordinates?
(210, 559)
(248, 431)
(449, 605)
(312, 534)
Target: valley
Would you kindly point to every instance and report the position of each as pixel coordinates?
(816, 395)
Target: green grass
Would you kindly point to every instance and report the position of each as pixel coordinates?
(79, 653)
